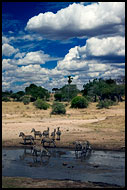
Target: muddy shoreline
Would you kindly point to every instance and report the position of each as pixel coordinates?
(9, 182)
(17, 143)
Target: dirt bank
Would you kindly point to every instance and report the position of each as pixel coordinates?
(12, 182)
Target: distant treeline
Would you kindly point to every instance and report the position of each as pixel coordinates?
(97, 90)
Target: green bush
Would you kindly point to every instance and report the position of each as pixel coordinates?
(25, 100)
(79, 102)
(5, 99)
(105, 104)
(58, 97)
(58, 108)
(41, 104)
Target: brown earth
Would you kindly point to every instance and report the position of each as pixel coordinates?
(21, 182)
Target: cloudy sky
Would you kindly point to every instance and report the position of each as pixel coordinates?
(44, 42)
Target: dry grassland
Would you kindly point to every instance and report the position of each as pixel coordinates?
(104, 128)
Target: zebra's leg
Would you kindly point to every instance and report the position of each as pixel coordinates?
(54, 144)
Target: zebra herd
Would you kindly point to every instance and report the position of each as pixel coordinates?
(84, 148)
(44, 139)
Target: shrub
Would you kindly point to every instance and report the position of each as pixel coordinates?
(58, 97)
(41, 104)
(5, 99)
(58, 108)
(25, 100)
(105, 104)
(79, 102)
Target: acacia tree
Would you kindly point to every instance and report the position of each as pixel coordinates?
(37, 92)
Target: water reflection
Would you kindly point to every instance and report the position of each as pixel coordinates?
(37, 160)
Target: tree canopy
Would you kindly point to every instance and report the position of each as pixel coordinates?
(104, 89)
(67, 92)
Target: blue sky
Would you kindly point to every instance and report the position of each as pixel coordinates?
(44, 42)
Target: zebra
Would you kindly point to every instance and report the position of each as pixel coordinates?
(36, 133)
(41, 149)
(78, 146)
(48, 140)
(46, 133)
(53, 134)
(84, 147)
(58, 133)
(26, 137)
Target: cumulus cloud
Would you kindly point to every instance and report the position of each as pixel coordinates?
(93, 54)
(106, 46)
(78, 20)
(5, 40)
(8, 50)
(6, 65)
(37, 57)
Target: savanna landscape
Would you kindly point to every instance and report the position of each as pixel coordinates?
(63, 94)
(103, 128)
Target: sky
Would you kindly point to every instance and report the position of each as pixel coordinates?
(45, 42)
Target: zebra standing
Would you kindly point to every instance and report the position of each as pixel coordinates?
(46, 133)
(26, 137)
(58, 134)
(83, 147)
(53, 134)
(36, 133)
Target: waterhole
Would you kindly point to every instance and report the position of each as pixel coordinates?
(98, 166)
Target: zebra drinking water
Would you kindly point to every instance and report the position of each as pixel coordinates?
(48, 141)
(26, 137)
(36, 133)
(43, 151)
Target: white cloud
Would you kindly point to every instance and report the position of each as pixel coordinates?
(6, 65)
(80, 58)
(19, 55)
(106, 46)
(37, 57)
(78, 20)
(8, 50)
(5, 40)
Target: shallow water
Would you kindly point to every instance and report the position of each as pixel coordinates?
(99, 166)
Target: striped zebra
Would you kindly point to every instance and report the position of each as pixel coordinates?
(43, 151)
(26, 137)
(58, 134)
(36, 133)
(48, 141)
(53, 134)
(46, 133)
